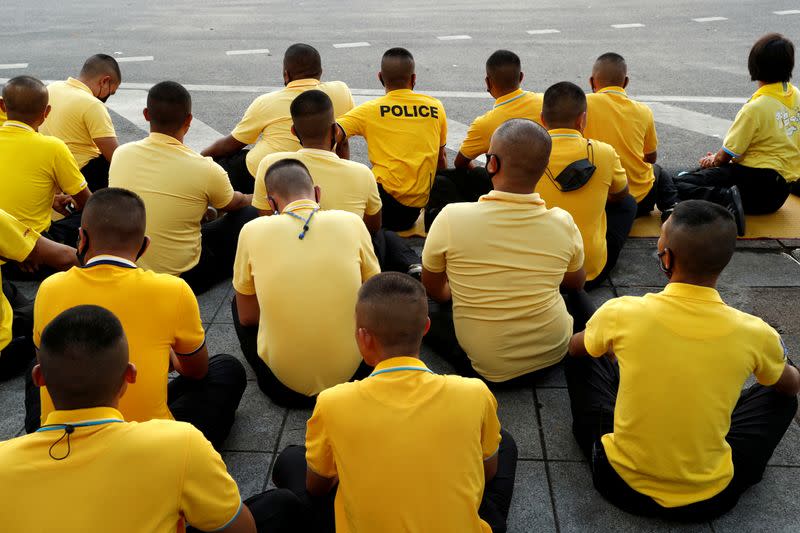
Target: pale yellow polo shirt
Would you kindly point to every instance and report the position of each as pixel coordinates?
(77, 118)
(408, 447)
(404, 132)
(766, 131)
(16, 242)
(587, 205)
(125, 477)
(345, 185)
(268, 121)
(33, 169)
(516, 104)
(684, 357)
(629, 127)
(177, 185)
(307, 289)
(505, 257)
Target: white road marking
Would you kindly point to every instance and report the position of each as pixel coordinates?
(788, 12)
(454, 37)
(542, 32)
(9, 66)
(351, 45)
(626, 26)
(689, 120)
(134, 59)
(709, 19)
(247, 52)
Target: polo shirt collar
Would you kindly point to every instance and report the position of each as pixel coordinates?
(693, 292)
(163, 138)
(409, 362)
(305, 82)
(78, 84)
(502, 196)
(299, 205)
(506, 98)
(564, 132)
(613, 89)
(401, 91)
(318, 152)
(92, 414)
(18, 124)
(781, 91)
(107, 259)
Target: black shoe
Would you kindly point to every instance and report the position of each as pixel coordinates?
(415, 271)
(736, 209)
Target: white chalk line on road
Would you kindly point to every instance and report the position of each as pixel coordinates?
(788, 12)
(454, 37)
(9, 66)
(359, 44)
(247, 52)
(134, 59)
(542, 32)
(628, 25)
(709, 19)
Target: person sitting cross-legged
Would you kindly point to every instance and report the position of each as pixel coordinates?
(658, 409)
(404, 449)
(99, 472)
(161, 318)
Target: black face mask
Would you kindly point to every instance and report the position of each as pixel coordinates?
(496, 165)
(576, 174)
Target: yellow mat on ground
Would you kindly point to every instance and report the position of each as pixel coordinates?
(783, 224)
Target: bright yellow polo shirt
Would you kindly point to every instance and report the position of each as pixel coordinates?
(16, 242)
(766, 131)
(177, 185)
(408, 447)
(307, 289)
(587, 205)
(683, 357)
(118, 476)
(345, 185)
(33, 169)
(404, 131)
(3, 116)
(268, 122)
(516, 104)
(628, 126)
(157, 311)
(505, 257)
(77, 118)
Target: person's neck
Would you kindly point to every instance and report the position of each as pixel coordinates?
(32, 123)
(406, 86)
(299, 77)
(318, 144)
(512, 186)
(562, 127)
(177, 135)
(499, 93)
(122, 254)
(700, 281)
(398, 351)
(84, 80)
(284, 203)
(67, 406)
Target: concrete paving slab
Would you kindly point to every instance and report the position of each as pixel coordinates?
(211, 300)
(637, 267)
(790, 243)
(435, 361)
(770, 505)
(517, 414)
(645, 243)
(12, 407)
(786, 454)
(221, 338)
(753, 269)
(531, 506)
(601, 295)
(249, 469)
(258, 423)
(224, 315)
(556, 417)
(294, 430)
(551, 377)
(776, 306)
(758, 244)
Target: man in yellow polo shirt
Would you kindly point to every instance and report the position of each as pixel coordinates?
(98, 472)
(659, 408)
(267, 122)
(627, 125)
(406, 133)
(296, 278)
(586, 178)
(161, 319)
(502, 261)
(79, 117)
(411, 450)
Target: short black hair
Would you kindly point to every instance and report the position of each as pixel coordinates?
(114, 217)
(397, 66)
(611, 68)
(563, 103)
(395, 308)
(169, 104)
(704, 235)
(503, 68)
(25, 98)
(312, 114)
(302, 61)
(771, 59)
(288, 177)
(101, 64)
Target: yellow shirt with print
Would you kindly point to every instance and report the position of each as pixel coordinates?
(516, 104)
(268, 121)
(627, 125)
(586, 205)
(404, 132)
(16, 242)
(345, 185)
(427, 473)
(77, 118)
(505, 257)
(153, 476)
(766, 131)
(684, 357)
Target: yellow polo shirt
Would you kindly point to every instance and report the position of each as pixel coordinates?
(177, 185)
(629, 127)
(117, 476)
(33, 169)
(516, 104)
(157, 311)
(683, 357)
(404, 132)
(587, 205)
(268, 121)
(77, 118)
(408, 447)
(766, 131)
(505, 257)
(345, 185)
(16, 242)
(307, 289)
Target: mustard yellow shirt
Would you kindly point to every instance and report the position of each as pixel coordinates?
(766, 131)
(16, 242)
(404, 132)
(116, 476)
(628, 126)
(77, 118)
(505, 257)
(683, 358)
(307, 290)
(427, 473)
(516, 104)
(177, 185)
(587, 204)
(268, 121)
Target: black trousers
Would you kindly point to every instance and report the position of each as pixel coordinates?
(394, 254)
(219, 240)
(236, 167)
(619, 221)
(663, 194)
(759, 421)
(763, 190)
(96, 173)
(396, 216)
(17, 355)
(275, 511)
(456, 185)
(269, 382)
(290, 473)
(209, 404)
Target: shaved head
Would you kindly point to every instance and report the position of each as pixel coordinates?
(563, 103)
(397, 67)
(503, 68)
(523, 150)
(701, 236)
(610, 69)
(393, 308)
(302, 61)
(25, 98)
(114, 219)
(312, 115)
(290, 180)
(100, 65)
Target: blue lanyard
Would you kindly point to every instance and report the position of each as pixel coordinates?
(69, 429)
(399, 368)
(305, 221)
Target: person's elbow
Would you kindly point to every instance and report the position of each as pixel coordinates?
(574, 281)
(617, 197)
(577, 348)
(436, 285)
(81, 198)
(317, 485)
(651, 157)
(248, 309)
(789, 382)
(463, 162)
(373, 222)
(193, 366)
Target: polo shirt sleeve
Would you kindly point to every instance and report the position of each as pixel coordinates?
(319, 449)
(68, 175)
(619, 179)
(442, 125)
(772, 358)
(219, 189)
(16, 239)
(98, 122)
(434, 252)
(252, 124)
(477, 140)
(374, 203)
(243, 280)
(490, 428)
(260, 187)
(354, 121)
(189, 335)
(601, 328)
(209, 498)
(650, 137)
(576, 262)
(369, 262)
(741, 132)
